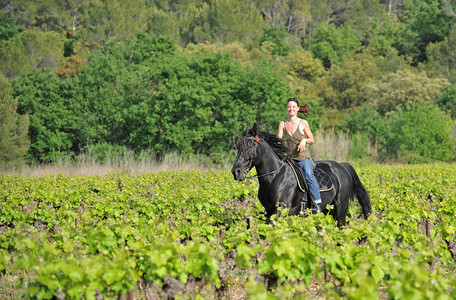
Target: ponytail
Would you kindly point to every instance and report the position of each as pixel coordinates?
(304, 108)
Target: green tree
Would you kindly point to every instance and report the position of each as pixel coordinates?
(359, 146)
(71, 64)
(333, 45)
(302, 71)
(113, 20)
(23, 12)
(263, 94)
(425, 22)
(366, 121)
(302, 65)
(447, 100)
(293, 15)
(68, 115)
(278, 36)
(225, 21)
(327, 12)
(346, 83)
(182, 20)
(146, 94)
(239, 53)
(8, 28)
(99, 104)
(72, 10)
(378, 35)
(44, 49)
(193, 105)
(364, 16)
(13, 61)
(420, 133)
(162, 23)
(48, 15)
(13, 128)
(99, 91)
(51, 16)
(402, 88)
(442, 58)
(148, 48)
(389, 61)
(201, 102)
(42, 97)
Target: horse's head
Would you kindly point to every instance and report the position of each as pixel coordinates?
(247, 152)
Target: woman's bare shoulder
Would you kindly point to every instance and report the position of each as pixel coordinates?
(304, 123)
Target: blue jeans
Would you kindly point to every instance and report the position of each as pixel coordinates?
(307, 166)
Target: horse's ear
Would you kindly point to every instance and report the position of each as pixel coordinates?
(255, 129)
(246, 131)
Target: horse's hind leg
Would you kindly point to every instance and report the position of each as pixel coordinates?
(340, 211)
(338, 218)
(341, 222)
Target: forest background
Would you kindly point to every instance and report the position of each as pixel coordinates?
(149, 78)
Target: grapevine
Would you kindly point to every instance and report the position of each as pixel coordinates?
(192, 234)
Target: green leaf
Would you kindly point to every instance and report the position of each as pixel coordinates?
(243, 256)
(377, 273)
(113, 275)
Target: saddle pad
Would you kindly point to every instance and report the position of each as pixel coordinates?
(323, 179)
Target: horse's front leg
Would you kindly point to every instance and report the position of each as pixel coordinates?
(296, 203)
(267, 201)
(273, 201)
(290, 199)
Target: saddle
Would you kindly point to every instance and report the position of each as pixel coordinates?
(323, 179)
(324, 182)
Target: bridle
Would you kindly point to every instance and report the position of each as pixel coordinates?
(269, 173)
(257, 139)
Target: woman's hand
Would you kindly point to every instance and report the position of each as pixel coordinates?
(302, 145)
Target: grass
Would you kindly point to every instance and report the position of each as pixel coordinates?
(86, 165)
(99, 161)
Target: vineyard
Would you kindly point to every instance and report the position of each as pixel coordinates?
(196, 234)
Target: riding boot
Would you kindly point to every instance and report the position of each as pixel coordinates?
(315, 208)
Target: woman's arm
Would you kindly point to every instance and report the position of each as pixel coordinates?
(304, 127)
(281, 126)
(308, 132)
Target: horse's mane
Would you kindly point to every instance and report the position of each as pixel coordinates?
(277, 144)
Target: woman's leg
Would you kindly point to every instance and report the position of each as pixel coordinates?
(307, 166)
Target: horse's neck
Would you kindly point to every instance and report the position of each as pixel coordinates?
(268, 163)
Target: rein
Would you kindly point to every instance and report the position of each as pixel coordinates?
(269, 173)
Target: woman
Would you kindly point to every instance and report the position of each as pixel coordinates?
(297, 136)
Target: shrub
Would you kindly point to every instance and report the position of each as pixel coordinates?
(420, 133)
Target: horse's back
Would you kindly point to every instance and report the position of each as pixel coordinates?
(330, 166)
(338, 173)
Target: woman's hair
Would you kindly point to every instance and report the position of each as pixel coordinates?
(304, 108)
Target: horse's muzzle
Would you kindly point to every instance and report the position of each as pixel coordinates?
(238, 174)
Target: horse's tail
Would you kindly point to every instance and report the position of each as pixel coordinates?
(359, 191)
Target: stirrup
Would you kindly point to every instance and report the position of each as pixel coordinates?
(315, 208)
(304, 202)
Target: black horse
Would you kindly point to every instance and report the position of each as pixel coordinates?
(277, 179)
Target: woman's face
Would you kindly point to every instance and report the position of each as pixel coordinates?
(292, 108)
